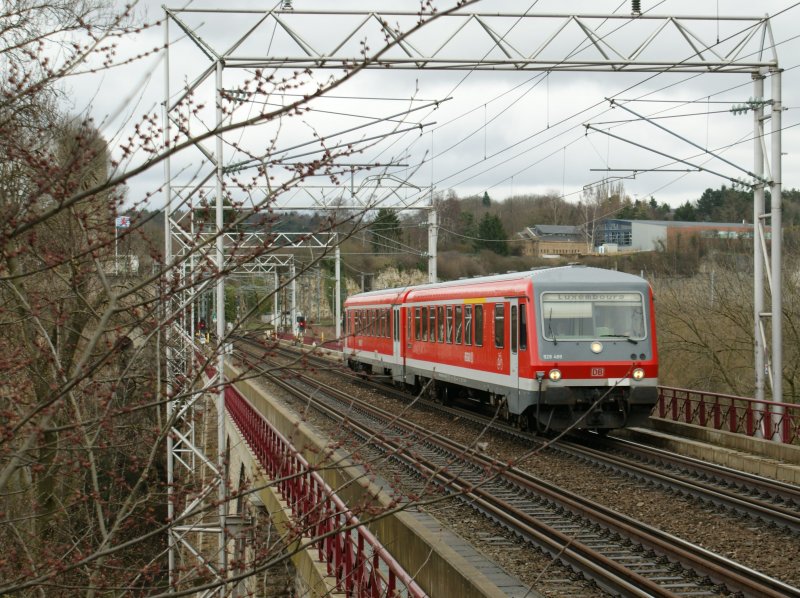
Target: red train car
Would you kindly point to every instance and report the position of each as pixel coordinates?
(551, 349)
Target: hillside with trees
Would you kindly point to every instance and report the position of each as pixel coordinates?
(479, 234)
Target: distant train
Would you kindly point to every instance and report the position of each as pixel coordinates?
(549, 349)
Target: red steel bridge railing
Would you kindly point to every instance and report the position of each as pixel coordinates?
(740, 415)
(361, 565)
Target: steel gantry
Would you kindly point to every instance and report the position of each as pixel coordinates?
(253, 43)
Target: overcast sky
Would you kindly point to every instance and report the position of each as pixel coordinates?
(501, 132)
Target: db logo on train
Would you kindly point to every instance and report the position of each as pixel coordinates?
(598, 372)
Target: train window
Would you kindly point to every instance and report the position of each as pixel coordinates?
(432, 323)
(396, 322)
(383, 323)
(523, 328)
(416, 323)
(479, 325)
(371, 313)
(449, 336)
(387, 315)
(514, 330)
(593, 315)
(440, 320)
(459, 324)
(424, 323)
(409, 334)
(467, 324)
(499, 325)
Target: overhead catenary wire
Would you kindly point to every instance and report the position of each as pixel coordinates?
(506, 148)
(574, 115)
(489, 167)
(538, 78)
(778, 13)
(258, 160)
(548, 155)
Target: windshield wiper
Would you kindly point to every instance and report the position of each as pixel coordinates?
(627, 338)
(550, 327)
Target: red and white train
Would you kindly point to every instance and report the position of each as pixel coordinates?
(550, 349)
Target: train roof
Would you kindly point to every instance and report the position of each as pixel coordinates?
(550, 274)
(560, 274)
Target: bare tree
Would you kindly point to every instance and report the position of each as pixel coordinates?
(705, 324)
(83, 422)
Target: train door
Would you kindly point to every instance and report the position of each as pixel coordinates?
(513, 360)
(397, 353)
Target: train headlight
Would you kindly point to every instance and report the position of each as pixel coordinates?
(596, 347)
(638, 374)
(555, 375)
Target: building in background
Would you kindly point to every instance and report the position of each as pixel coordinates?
(648, 235)
(544, 240)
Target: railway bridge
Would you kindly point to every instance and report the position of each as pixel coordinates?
(340, 524)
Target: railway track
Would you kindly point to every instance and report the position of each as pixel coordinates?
(621, 555)
(736, 492)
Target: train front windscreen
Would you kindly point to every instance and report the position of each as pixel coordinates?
(589, 316)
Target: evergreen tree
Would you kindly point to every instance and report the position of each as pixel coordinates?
(492, 235)
(486, 201)
(725, 205)
(710, 201)
(467, 225)
(385, 230)
(685, 213)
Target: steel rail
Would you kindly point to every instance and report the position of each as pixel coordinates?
(737, 492)
(725, 487)
(789, 493)
(607, 573)
(733, 575)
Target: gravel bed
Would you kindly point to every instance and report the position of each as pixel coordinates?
(772, 551)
